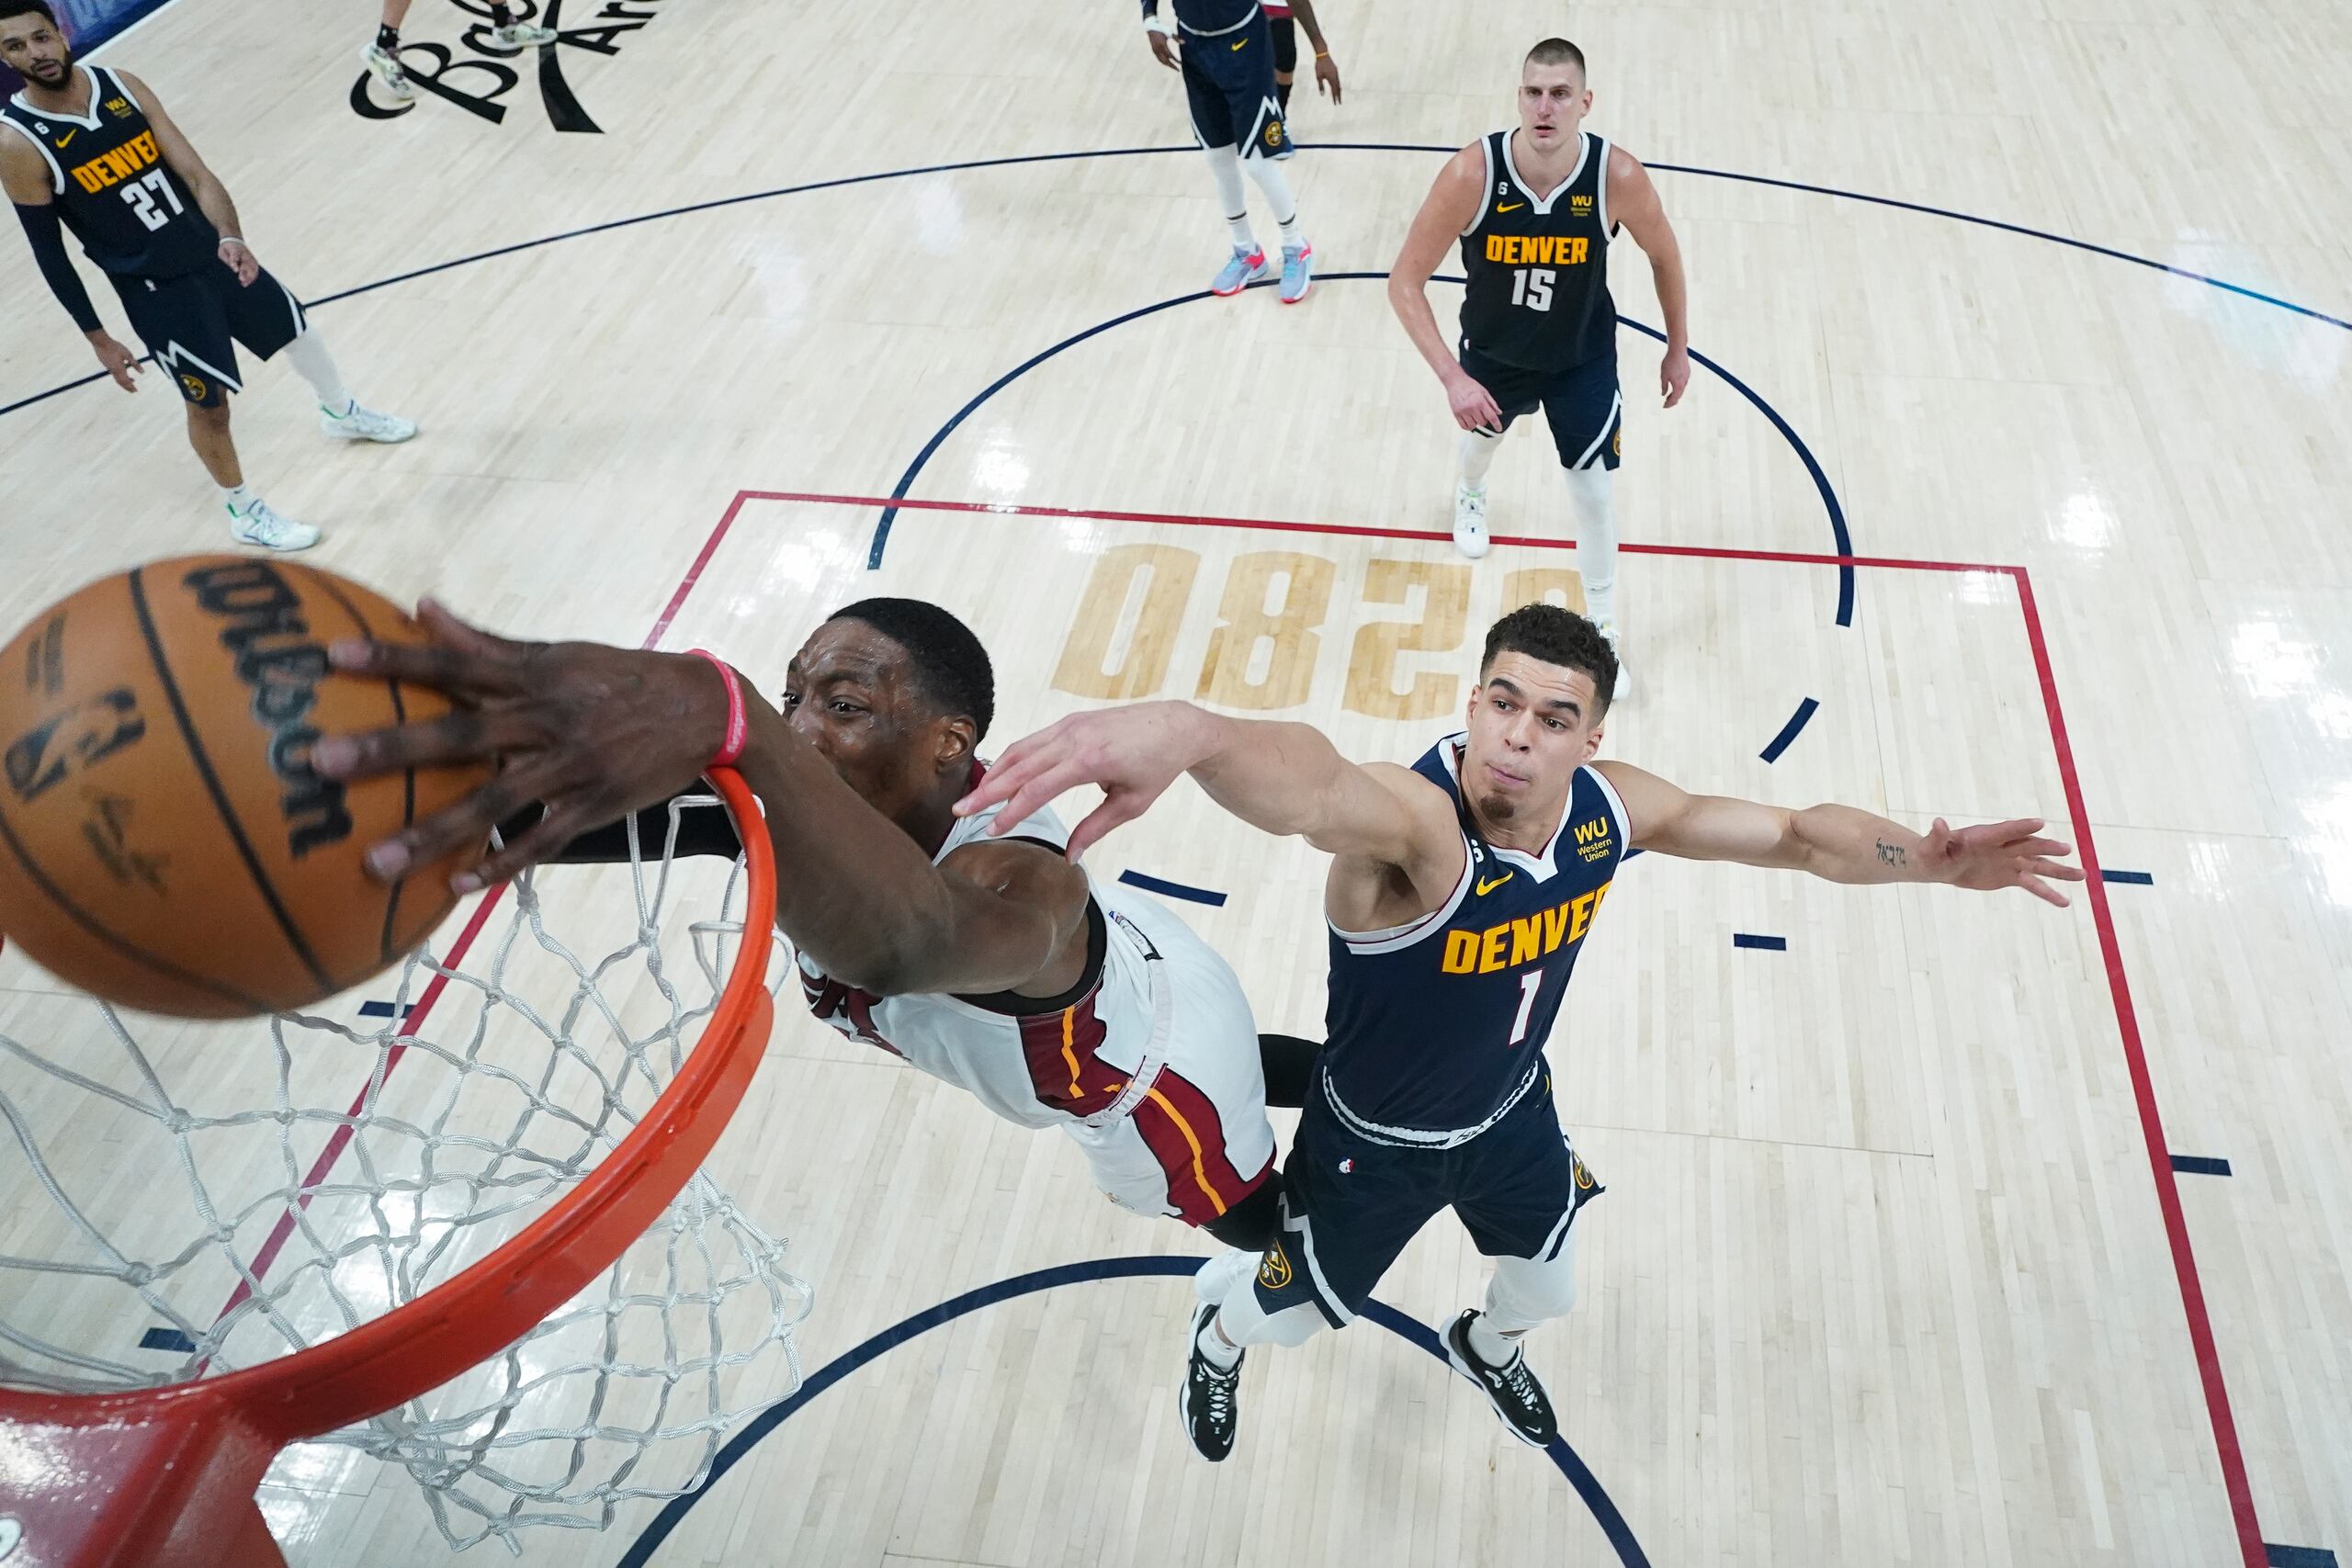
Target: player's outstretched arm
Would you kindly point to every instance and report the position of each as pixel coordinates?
(211, 195)
(595, 733)
(1633, 203)
(1286, 779)
(1839, 843)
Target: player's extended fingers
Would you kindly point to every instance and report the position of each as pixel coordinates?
(542, 842)
(443, 623)
(2043, 891)
(461, 735)
(1114, 811)
(1038, 794)
(2054, 868)
(1014, 766)
(441, 665)
(462, 829)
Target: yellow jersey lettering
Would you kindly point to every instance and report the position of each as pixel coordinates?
(1494, 247)
(1526, 939)
(1461, 951)
(88, 178)
(1581, 917)
(1556, 925)
(1490, 949)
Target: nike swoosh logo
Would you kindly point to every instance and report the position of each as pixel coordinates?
(1486, 887)
(1242, 45)
(1514, 206)
(66, 138)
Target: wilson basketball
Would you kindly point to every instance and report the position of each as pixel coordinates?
(163, 843)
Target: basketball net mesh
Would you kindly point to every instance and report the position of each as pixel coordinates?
(326, 1173)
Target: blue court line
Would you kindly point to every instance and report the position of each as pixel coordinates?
(2201, 1165)
(2135, 878)
(1844, 541)
(1173, 889)
(971, 164)
(1765, 943)
(2299, 1556)
(1788, 731)
(382, 1010)
(167, 1339)
(640, 1550)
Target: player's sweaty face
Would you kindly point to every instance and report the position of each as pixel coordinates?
(1553, 102)
(1532, 726)
(850, 692)
(35, 50)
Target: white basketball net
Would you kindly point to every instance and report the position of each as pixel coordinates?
(171, 1152)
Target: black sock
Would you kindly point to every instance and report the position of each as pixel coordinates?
(387, 40)
(1281, 92)
(500, 16)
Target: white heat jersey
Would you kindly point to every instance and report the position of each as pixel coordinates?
(1088, 1056)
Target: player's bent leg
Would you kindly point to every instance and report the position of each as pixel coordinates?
(1594, 492)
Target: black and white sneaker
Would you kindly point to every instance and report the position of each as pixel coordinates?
(1519, 1400)
(1206, 1403)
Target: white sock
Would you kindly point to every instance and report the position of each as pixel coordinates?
(308, 354)
(1225, 162)
(239, 498)
(1594, 490)
(1478, 457)
(1276, 185)
(1221, 1355)
(1489, 1346)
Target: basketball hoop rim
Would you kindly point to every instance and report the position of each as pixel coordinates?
(424, 1343)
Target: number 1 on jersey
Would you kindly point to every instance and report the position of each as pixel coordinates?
(1532, 287)
(1528, 984)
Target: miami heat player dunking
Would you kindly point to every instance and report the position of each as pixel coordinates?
(1461, 890)
(1534, 210)
(991, 962)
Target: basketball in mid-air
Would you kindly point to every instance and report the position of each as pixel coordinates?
(164, 844)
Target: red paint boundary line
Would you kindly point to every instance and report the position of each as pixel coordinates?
(2192, 1295)
(1268, 524)
(332, 1152)
(2143, 1092)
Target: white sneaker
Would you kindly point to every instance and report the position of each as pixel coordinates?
(357, 424)
(521, 35)
(258, 525)
(387, 70)
(1624, 677)
(1470, 520)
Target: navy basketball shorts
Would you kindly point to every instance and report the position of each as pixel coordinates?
(1582, 404)
(192, 323)
(1351, 1205)
(1229, 85)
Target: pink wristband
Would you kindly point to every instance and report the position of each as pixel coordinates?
(738, 724)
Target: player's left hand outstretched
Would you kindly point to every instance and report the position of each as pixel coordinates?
(239, 258)
(1998, 856)
(1327, 76)
(1133, 753)
(1161, 49)
(591, 732)
(1674, 375)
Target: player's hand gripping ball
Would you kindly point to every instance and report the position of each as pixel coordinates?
(164, 844)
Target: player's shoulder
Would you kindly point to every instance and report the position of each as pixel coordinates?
(1623, 165)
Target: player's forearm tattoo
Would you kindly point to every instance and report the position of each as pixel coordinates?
(1893, 855)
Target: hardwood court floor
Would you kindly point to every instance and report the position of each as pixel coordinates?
(1886, 1271)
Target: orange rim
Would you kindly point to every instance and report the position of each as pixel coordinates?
(424, 1343)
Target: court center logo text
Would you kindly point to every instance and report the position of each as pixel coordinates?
(477, 76)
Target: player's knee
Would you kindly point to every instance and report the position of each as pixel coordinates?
(1525, 1292)
(212, 416)
(1245, 1321)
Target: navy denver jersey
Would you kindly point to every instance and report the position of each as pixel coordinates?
(1207, 17)
(114, 191)
(1435, 1029)
(1536, 264)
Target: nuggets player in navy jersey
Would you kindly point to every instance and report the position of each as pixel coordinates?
(90, 149)
(1534, 210)
(1460, 892)
(991, 963)
(1225, 50)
